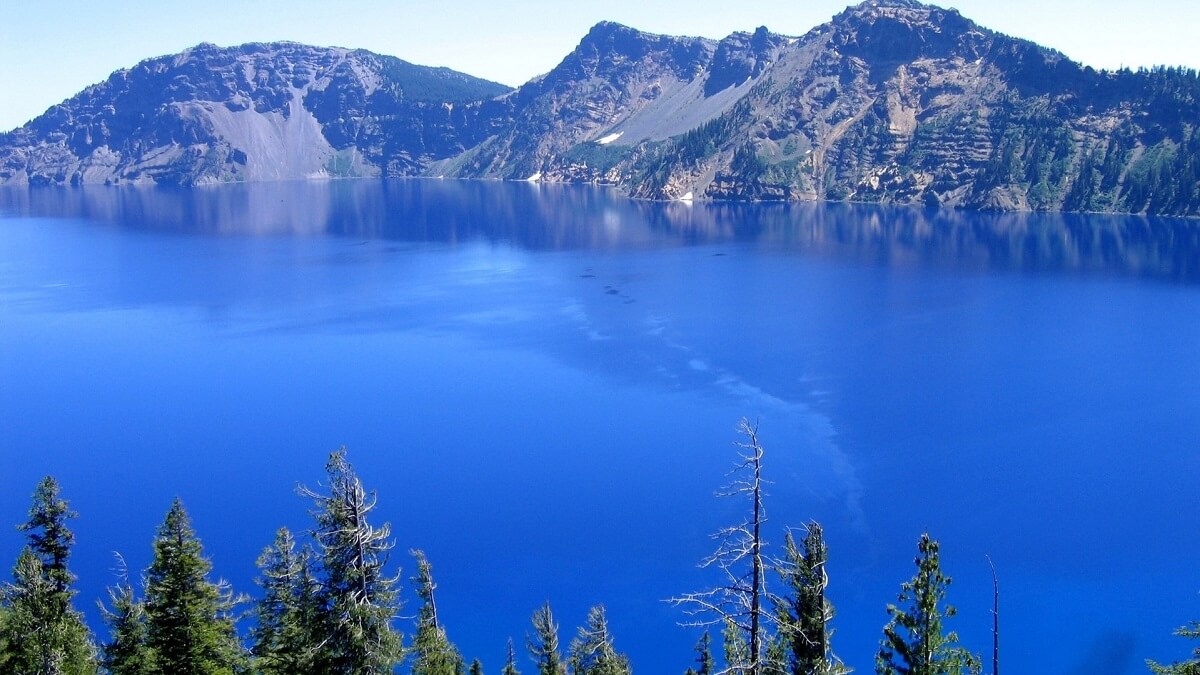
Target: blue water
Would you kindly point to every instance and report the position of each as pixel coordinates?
(543, 383)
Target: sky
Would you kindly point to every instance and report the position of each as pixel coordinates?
(51, 50)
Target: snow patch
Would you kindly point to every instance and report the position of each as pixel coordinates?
(610, 138)
(687, 197)
(535, 177)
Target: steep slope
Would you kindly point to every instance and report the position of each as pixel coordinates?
(899, 101)
(618, 88)
(254, 112)
(892, 101)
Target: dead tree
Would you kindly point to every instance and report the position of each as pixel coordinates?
(739, 599)
(995, 618)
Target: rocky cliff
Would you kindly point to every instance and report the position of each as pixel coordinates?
(891, 101)
(251, 113)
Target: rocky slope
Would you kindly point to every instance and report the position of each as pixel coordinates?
(891, 101)
(254, 112)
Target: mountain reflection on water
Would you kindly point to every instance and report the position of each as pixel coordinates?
(560, 217)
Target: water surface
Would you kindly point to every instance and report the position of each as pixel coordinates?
(543, 382)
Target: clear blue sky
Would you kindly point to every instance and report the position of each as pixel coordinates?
(51, 50)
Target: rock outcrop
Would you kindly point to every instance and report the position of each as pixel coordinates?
(891, 101)
(251, 113)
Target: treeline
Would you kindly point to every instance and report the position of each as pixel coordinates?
(327, 604)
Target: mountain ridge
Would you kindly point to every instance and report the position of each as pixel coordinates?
(892, 101)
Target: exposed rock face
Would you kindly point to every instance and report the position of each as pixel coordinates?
(255, 112)
(892, 101)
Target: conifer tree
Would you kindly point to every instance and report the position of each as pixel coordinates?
(913, 641)
(704, 658)
(476, 667)
(775, 662)
(41, 632)
(358, 599)
(510, 664)
(1189, 667)
(128, 652)
(592, 651)
(432, 651)
(286, 636)
(803, 614)
(543, 644)
(189, 621)
(735, 649)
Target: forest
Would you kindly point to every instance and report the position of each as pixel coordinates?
(328, 603)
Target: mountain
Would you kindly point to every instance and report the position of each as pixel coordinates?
(254, 112)
(891, 101)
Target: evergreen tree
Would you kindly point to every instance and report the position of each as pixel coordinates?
(913, 642)
(359, 601)
(49, 537)
(432, 651)
(189, 623)
(804, 613)
(1189, 667)
(286, 631)
(476, 667)
(41, 632)
(4, 647)
(592, 651)
(735, 649)
(543, 644)
(776, 661)
(128, 652)
(510, 664)
(704, 656)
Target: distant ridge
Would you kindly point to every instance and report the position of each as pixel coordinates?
(891, 101)
(253, 112)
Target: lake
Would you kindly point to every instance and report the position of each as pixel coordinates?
(543, 383)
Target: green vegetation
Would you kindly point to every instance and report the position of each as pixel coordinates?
(913, 640)
(597, 156)
(189, 619)
(328, 605)
(40, 632)
(1189, 667)
(431, 650)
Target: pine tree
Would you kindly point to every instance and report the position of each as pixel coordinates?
(592, 651)
(704, 656)
(432, 651)
(804, 613)
(476, 667)
(913, 642)
(735, 649)
(128, 652)
(510, 664)
(189, 619)
(49, 537)
(776, 661)
(543, 644)
(286, 631)
(41, 632)
(359, 600)
(1189, 667)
